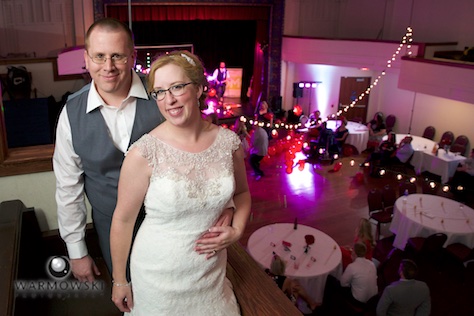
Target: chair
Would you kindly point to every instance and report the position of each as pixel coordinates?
(461, 252)
(429, 132)
(402, 166)
(390, 122)
(429, 248)
(377, 211)
(387, 272)
(446, 139)
(375, 201)
(460, 144)
(461, 140)
(457, 148)
(383, 248)
(407, 185)
(389, 197)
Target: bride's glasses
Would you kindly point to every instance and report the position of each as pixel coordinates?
(175, 91)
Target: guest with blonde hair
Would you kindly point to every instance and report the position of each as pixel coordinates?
(292, 288)
(363, 234)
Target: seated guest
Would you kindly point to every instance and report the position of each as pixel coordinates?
(363, 234)
(292, 288)
(406, 296)
(464, 175)
(341, 134)
(385, 151)
(377, 131)
(326, 138)
(404, 151)
(315, 118)
(360, 278)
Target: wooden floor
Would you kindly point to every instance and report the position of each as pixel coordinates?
(317, 196)
(333, 202)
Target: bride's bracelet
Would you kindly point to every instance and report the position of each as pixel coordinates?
(121, 284)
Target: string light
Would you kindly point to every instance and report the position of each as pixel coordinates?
(431, 184)
(406, 41)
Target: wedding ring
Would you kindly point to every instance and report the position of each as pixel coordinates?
(214, 252)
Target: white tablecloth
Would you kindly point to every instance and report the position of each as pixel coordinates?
(311, 274)
(433, 214)
(443, 165)
(358, 133)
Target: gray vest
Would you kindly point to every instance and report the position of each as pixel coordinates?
(101, 160)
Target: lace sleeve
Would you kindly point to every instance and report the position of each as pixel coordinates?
(147, 149)
(232, 139)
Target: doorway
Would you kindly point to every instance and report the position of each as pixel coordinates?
(350, 90)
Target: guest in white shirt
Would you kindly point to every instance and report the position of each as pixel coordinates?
(360, 277)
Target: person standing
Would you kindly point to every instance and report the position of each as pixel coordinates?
(94, 130)
(258, 150)
(185, 171)
(406, 296)
(220, 76)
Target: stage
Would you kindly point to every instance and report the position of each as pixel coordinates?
(230, 110)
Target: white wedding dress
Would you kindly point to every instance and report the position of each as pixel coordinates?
(187, 194)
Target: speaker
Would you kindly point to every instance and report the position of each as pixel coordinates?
(297, 91)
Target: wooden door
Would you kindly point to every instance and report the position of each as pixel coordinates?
(351, 89)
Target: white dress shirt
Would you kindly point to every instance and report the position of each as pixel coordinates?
(70, 197)
(361, 276)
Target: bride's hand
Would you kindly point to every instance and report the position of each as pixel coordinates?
(224, 220)
(226, 235)
(122, 297)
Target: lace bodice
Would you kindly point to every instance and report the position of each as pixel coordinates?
(186, 195)
(199, 170)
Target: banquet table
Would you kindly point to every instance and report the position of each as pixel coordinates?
(422, 215)
(443, 165)
(358, 133)
(310, 269)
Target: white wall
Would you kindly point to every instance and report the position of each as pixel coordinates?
(42, 28)
(34, 190)
(325, 97)
(43, 80)
(413, 110)
(432, 20)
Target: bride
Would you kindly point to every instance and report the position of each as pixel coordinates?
(185, 171)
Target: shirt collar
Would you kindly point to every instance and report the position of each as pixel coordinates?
(137, 90)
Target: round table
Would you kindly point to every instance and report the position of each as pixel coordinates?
(444, 164)
(422, 215)
(310, 268)
(358, 133)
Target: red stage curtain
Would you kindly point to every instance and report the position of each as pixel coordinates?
(157, 12)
